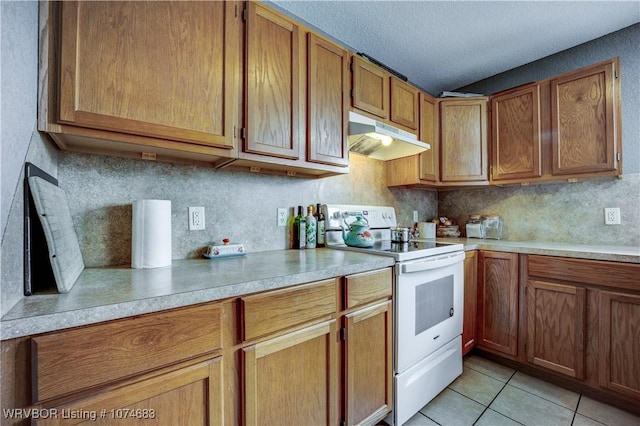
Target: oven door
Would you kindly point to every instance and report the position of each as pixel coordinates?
(429, 300)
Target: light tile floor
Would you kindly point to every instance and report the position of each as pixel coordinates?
(490, 394)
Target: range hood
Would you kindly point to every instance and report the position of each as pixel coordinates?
(381, 141)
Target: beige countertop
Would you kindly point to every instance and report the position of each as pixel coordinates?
(108, 293)
(103, 294)
(629, 254)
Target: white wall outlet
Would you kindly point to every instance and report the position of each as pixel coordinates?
(415, 216)
(612, 216)
(196, 218)
(282, 217)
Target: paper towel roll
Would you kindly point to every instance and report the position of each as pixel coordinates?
(427, 230)
(151, 234)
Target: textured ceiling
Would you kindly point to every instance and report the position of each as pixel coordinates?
(443, 45)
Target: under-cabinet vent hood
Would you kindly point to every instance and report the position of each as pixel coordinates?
(381, 141)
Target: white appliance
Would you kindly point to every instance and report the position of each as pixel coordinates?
(428, 301)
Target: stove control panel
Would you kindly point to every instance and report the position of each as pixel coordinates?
(377, 216)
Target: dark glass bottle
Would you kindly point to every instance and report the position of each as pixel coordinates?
(320, 226)
(299, 230)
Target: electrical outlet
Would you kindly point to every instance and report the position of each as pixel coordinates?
(196, 218)
(612, 216)
(282, 217)
(415, 216)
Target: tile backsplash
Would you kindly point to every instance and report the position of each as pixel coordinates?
(240, 206)
(555, 212)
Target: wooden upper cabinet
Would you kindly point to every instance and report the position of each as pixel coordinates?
(327, 102)
(585, 120)
(463, 140)
(159, 69)
(370, 88)
(516, 137)
(273, 90)
(404, 105)
(429, 160)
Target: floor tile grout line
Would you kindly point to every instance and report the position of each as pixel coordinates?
(494, 398)
(576, 410)
(489, 375)
(548, 400)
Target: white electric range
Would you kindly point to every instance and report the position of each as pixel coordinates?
(427, 301)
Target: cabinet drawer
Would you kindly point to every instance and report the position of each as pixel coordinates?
(72, 360)
(266, 313)
(367, 287)
(597, 272)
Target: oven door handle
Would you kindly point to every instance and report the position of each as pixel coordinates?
(431, 263)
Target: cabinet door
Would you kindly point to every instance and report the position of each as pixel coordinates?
(470, 301)
(516, 137)
(272, 84)
(585, 120)
(429, 160)
(370, 88)
(498, 302)
(159, 69)
(620, 343)
(368, 370)
(292, 379)
(556, 318)
(328, 102)
(191, 395)
(404, 105)
(463, 133)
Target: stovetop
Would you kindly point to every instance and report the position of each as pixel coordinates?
(381, 220)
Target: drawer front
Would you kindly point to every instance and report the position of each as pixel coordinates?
(367, 287)
(596, 272)
(266, 313)
(72, 360)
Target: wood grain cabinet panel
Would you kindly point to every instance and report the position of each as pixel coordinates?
(190, 395)
(556, 327)
(585, 120)
(158, 69)
(498, 302)
(370, 88)
(368, 364)
(404, 105)
(620, 343)
(516, 137)
(292, 379)
(470, 301)
(327, 102)
(68, 361)
(273, 95)
(367, 287)
(276, 310)
(429, 160)
(463, 140)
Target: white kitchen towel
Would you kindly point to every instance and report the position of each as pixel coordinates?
(151, 234)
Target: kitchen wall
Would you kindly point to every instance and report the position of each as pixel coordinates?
(569, 212)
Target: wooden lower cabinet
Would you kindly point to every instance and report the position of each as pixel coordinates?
(498, 302)
(293, 378)
(190, 395)
(556, 325)
(368, 369)
(620, 343)
(470, 301)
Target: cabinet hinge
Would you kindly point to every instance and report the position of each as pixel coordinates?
(234, 132)
(243, 133)
(525, 291)
(343, 334)
(351, 93)
(619, 156)
(351, 67)
(244, 15)
(235, 9)
(615, 74)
